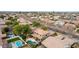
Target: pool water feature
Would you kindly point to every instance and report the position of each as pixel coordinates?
(19, 43)
(16, 42)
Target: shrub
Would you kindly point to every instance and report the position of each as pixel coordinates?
(36, 24)
(23, 36)
(44, 28)
(8, 23)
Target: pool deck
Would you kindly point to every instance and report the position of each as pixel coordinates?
(26, 46)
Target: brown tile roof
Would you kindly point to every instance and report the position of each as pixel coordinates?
(40, 31)
(57, 42)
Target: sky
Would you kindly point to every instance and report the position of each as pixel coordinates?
(39, 5)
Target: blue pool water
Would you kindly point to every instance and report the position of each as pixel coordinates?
(18, 43)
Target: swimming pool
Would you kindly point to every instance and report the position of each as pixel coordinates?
(19, 43)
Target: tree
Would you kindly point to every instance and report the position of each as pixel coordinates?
(10, 18)
(21, 29)
(36, 24)
(2, 16)
(23, 36)
(26, 29)
(5, 30)
(17, 29)
(15, 23)
(8, 23)
(13, 19)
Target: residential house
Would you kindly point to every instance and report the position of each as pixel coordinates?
(59, 23)
(69, 27)
(39, 33)
(76, 22)
(77, 18)
(28, 22)
(56, 17)
(2, 22)
(59, 41)
(22, 21)
(46, 20)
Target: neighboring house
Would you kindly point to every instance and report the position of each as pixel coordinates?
(76, 22)
(2, 22)
(57, 42)
(77, 18)
(67, 21)
(56, 17)
(21, 20)
(59, 23)
(47, 20)
(28, 22)
(39, 33)
(69, 27)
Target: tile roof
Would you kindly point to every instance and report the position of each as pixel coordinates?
(57, 42)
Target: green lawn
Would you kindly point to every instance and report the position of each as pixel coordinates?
(13, 40)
